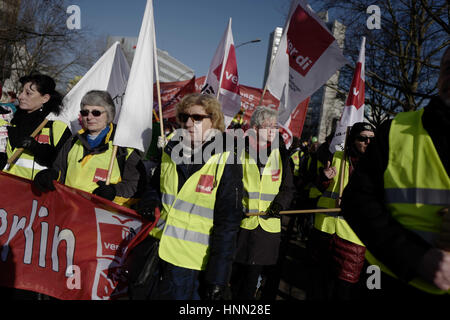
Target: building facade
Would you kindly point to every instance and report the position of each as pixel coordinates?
(170, 69)
(9, 10)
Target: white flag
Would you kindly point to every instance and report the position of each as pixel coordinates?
(223, 74)
(307, 57)
(134, 128)
(354, 106)
(109, 73)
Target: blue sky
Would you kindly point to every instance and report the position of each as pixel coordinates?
(190, 30)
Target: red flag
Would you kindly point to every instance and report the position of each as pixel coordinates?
(223, 81)
(308, 55)
(67, 244)
(171, 94)
(354, 106)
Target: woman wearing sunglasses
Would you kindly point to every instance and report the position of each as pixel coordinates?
(36, 101)
(199, 196)
(336, 249)
(84, 160)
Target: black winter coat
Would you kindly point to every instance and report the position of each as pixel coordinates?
(363, 198)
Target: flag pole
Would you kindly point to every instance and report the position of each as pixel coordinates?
(111, 164)
(225, 60)
(298, 211)
(158, 88)
(19, 151)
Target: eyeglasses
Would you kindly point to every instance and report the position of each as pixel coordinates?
(364, 138)
(95, 113)
(184, 117)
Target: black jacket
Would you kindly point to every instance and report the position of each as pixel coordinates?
(227, 211)
(363, 199)
(24, 124)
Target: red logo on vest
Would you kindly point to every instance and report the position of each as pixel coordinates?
(205, 184)
(100, 175)
(43, 139)
(276, 175)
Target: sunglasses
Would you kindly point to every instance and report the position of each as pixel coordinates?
(184, 117)
(363, 138)
(95, 113)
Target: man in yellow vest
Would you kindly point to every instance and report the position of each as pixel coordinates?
(396, 199)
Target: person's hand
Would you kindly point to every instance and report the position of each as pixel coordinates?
(274, 210)
(435, 268)
(214, 292)
(147, 209)
(329, 172)
(162, 141)
(28, 143)
(43, 181)
(105, 191)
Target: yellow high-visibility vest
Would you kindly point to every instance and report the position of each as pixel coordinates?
(330, 223)
(416, 184)
(260, 190)
(26, 166)
(83, 173)
(187, 216)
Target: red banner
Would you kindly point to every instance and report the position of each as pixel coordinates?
(67, 243)
(172, 92)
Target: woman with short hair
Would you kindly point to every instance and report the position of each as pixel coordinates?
(83, 162)
(199, 195)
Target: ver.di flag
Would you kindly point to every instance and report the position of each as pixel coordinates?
(223, 77)
(134, 127)
(354, 106)
(109, 73)
(307, 57)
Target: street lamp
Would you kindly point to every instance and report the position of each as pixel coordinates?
(251, 41)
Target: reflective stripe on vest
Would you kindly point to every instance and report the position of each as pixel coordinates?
(25, 166)
(188, 215)
(332, 222)
(260, 191)
(416, 184)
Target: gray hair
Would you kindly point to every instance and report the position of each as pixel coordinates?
(261, 114)
(101, 99)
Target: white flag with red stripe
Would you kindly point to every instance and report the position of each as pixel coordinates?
(222, 80)
(354, 106)
(134, 128)
(307, 57)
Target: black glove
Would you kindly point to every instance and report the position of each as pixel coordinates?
(147, 209)
(274, 210)
(28, 143)
(214, 292)
(43, 181)
(105, 191)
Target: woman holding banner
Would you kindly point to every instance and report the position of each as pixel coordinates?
(84, 160)
(30, 130)
(199, 195)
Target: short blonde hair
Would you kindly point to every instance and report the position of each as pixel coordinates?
(209, 103)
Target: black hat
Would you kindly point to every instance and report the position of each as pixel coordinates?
(359, 127)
